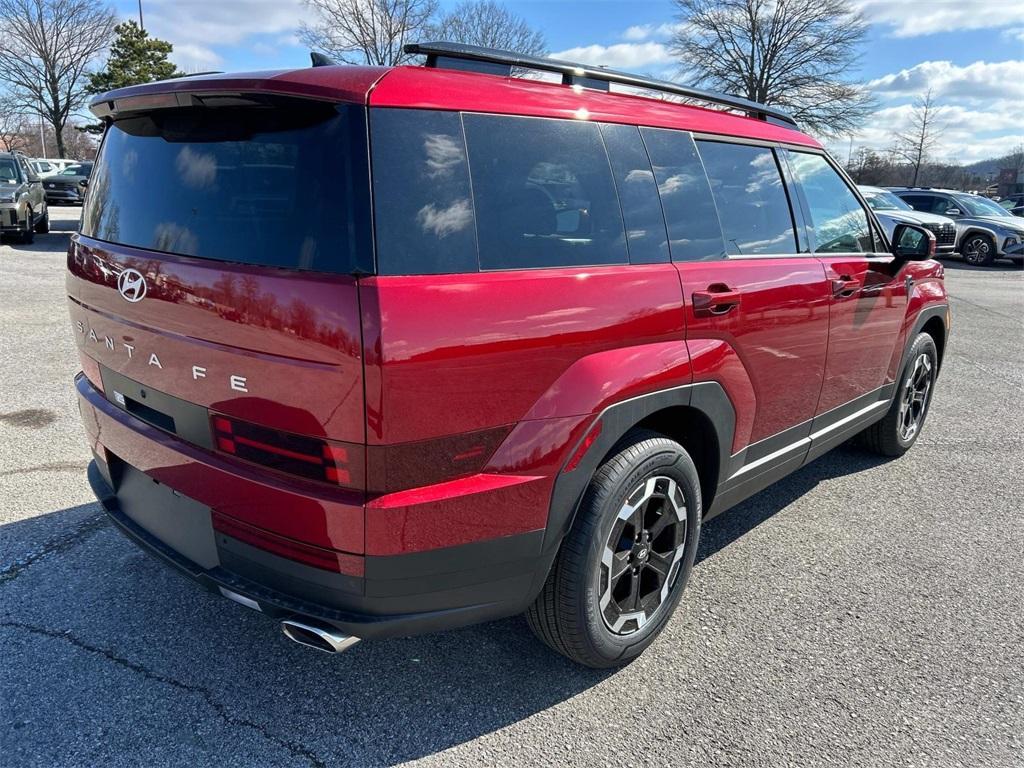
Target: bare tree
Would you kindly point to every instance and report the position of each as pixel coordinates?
(916, 145)
(46, 47)
(794, 54)
(14, 127)
(367, 31)
(490, 24)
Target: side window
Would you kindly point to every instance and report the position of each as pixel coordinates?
(29, 171)
(750, 197)
(638, 194)
(920, 202)
(543, 192)
(693, 229)
(838, 221)
(423, 205)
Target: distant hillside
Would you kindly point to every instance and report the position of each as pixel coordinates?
(993, 165)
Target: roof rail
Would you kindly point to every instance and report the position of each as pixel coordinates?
(494, 61)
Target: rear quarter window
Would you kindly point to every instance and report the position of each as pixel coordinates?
(544, 193)
(638, 194)
(423, 204)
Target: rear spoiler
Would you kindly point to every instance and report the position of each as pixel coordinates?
(118, 107)
(335, 85)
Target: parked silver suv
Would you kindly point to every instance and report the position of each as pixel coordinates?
(891, 210)
(23, 210)
(985, 230)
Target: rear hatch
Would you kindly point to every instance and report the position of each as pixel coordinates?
(213, 285)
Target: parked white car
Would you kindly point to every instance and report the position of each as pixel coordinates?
(44, 166)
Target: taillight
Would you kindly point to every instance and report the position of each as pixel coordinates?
(391, 468)
(376, 469)
(332, 462)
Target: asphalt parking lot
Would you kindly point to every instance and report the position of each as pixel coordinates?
(860, 612)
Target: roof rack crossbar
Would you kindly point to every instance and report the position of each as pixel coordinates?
(454, 55)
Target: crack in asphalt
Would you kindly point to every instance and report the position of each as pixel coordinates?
(984, 369)
(62, 543)
(297, 750)
(982, 307)
(63, 466)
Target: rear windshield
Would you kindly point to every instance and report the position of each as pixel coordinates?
(282, 186)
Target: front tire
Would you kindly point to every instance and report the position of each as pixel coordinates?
(978, 250)
(902, 424)
(28, 234)
(624, 565)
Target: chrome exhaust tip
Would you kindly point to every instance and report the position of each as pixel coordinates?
(322, 637)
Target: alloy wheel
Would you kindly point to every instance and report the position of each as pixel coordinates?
(914, 397)
(641, 557)
(977, 250)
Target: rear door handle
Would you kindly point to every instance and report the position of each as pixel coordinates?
(718, 299)
(844, 286)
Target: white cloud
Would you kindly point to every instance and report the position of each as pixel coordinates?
(192, 58)
(646, 31)
(980, 81)
(914, 19)
(980, 108)
(620, 55)
(966, 135)
(195, 27)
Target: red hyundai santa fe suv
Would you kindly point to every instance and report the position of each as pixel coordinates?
(382, 351)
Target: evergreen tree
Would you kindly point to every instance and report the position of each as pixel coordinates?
(134, 58)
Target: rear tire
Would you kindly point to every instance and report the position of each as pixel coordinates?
(978, 250)
(902, 424)
(624, 565)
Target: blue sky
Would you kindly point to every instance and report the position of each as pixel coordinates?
(970, 52)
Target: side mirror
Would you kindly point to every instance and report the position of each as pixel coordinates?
(912, 243)
(952, 212)
(83, 183)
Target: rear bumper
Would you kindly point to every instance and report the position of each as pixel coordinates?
(139, 475)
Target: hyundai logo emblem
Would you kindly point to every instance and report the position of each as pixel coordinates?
(131, 285)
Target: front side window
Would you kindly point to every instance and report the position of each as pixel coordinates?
(980, 206)
(839, 223)
(422, 199)
(750, 197)
(543, 192)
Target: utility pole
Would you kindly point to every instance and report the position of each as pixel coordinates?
(42, 137)
(142, 25)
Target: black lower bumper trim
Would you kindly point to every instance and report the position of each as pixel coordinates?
(283, 588)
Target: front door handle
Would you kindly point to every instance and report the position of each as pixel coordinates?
(844, 286)
(718, 299)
